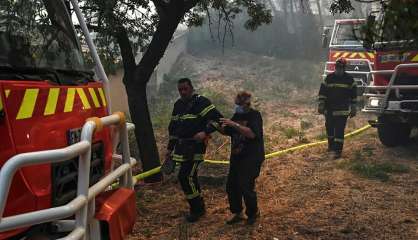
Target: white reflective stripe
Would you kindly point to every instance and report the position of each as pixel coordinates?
(340, 113)
(206, 110)
(338, 85)
(193, 195)
(195, 192)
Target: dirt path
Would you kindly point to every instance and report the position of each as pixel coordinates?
(304, 195)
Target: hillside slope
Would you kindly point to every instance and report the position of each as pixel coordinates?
(371, 193)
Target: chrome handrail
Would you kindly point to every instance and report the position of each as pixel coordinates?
(84, 201)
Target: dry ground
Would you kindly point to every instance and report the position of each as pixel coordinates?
(303, 195)
(371, 193)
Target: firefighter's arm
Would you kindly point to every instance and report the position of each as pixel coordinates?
(246, 131)
(353, 108)
(226, 130)
(211, 117)
(171, 131)
(322, 97)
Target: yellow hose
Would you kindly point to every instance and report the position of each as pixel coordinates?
(270, 155)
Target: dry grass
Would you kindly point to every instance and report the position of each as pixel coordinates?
(303, 195)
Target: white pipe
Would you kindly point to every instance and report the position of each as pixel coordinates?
(84, 175)
(79, 205)
(101, 72)
(27, 159)
(43, 216)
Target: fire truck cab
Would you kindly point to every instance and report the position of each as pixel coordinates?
(387, 76)
(392, 95)
(56, 133)
(344, 42)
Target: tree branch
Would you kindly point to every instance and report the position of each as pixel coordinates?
(161, 7)
(189, 4)
(128, 57)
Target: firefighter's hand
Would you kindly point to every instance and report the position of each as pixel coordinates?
(321, 108)
(200, 136)
(227, 122)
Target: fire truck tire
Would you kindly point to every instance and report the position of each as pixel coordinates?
(392, 134)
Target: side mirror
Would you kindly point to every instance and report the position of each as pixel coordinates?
(325, 38)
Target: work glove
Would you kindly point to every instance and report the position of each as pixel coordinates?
(353, 111)
(321, 108)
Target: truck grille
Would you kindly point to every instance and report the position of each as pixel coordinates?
(412, 106)
(65, 175)
(359, 68)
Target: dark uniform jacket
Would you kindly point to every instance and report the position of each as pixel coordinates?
(247, 154)
(338, 94)
(188, 118)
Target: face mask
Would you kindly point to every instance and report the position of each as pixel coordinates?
(239, 109)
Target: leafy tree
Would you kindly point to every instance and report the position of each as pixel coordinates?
(150, 24)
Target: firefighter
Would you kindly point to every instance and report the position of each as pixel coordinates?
(247, 155)
(189, 129)
(337, 101)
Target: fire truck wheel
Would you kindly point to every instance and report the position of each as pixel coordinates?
(393, 134)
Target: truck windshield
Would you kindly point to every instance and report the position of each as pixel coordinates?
(347, 35)
(38, 34)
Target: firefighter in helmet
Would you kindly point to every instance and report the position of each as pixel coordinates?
(194, 117)
(337, 101)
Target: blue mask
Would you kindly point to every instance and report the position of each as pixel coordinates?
(239, 109)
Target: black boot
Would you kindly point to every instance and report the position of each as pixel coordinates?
(252, 219)
(194, 217)
(331, 144)
(337, 155)
(197, 209)
(238, 217)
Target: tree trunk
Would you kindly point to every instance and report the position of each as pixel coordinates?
(144, 133)
(136, 83)
(321, 20)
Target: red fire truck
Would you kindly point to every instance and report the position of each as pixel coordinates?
(344, 42)
(393, 92)
(56, 133)
(387, 74)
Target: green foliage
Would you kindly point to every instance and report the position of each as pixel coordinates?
(287, 113)
(377, 170)
(161, 113)
(322, 135)
(290, 132)
(360, 165)
(397, 21)
(302, 138)
(305, 125)
(114, 22)
(109, 20)
(341, 6)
